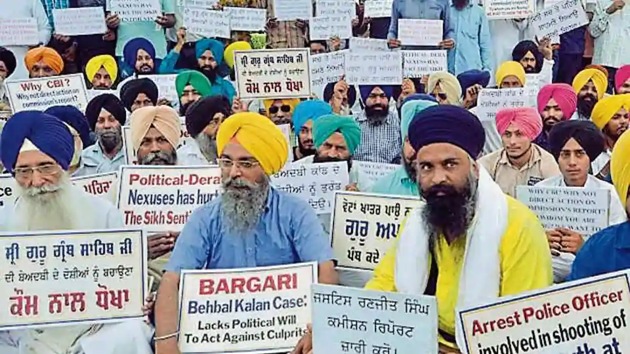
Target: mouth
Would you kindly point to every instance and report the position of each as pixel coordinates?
(573, 172)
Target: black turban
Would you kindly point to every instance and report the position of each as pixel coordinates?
(330, 89)
(528, 46)
(200, 113)
(8, 58)
(132, 88)
(108, 102)
(584, 132)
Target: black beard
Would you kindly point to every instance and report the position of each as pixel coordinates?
(448, 214)
(304, 151)
(585, 107)
(547, 124)
(145, 70)
(209, 72)
(320, 159)
(530, 69)
(376, 117)
(110, 141)
(184, 107)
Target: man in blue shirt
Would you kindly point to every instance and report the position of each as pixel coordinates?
(250, 225)
(421, 10)
(472, 34)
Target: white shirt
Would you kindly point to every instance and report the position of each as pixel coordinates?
(600, 162)
(611, 34)
(189, 154)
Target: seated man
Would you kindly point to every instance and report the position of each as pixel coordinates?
(139, 54)
(102, 72)
(556, 103)
(77, 124)
(43, 62)
(304, 114)
(250, 225)
(139, 93)
(155, 134)
(191, 86)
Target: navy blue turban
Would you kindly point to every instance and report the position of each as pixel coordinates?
(521, 49)
(74, 118)
(367, 89)
(130, 51)
(49, 134)
(584, 132)
(132, 88)
(447, 124)
(108, 102)
(473, 77)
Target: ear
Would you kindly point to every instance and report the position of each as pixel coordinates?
(475, 168)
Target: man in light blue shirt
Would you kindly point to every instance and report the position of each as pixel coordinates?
(471, 32)
(421, 10)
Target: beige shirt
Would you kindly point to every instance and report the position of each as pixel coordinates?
(540, 166)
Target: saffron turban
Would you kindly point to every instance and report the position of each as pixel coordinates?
(473, 77)
(74, 118)
(291, 102)
(163, 118)
(228, 54)
(525, 118)
(132, 88)
(48, 55)
(195, 79)
(101, 61)
(584, 132)
(447, 124)
(619, 166)
(523, 47)
(35, 130)
(510, 68)
(108, 102)
(309, 110)
(327, 125)
(607, 107)
(448, 82)
(329, 90)
(563, 94)
(131, 48)
(366, 90)
(410, 108)
(201, 113)
(600, 80)
(622, 75)
(8, 58)
(214, 46)
(259, 136)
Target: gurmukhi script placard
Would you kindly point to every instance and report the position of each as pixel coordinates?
(327, 68)
(490, 101)
(350, 320)
(18, 31)
(258, 310)
(98, 185)
(79, 21)
(559, 19)
(373, 171)
(62, 278)
(509, 9)
(42, 93)
(374, 68)
(364, 227)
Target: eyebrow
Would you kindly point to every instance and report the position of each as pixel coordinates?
(251, 158)
(38, 165)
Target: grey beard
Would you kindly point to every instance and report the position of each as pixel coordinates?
(242, 207)
(159, 158)
(208, 147)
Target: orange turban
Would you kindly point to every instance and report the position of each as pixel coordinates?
(45, 54)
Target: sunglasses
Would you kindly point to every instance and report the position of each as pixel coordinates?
(441, 96)
(284, 108)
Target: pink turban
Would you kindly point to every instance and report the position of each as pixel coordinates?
(526, 118)
(622, 75)
(563, 94)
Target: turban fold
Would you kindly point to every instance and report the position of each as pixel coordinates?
(132, 88)
(473, 77)
(584, 132)
(607, 107)
(8, 58)
(259, 136)
(291, 102)
(448, 82)
(523, 47)
(329, 90)
(201, 113)
(309, 110)
(213, 46)
(563, 94)
(600, 80)
(598, 67)
(130, 51)
(108, 102)
(48, 55)
(366, 90)
(163, 118)
(410, 108)
(447, 124)
(228, 54)
(47, 133)
(525, 118)
(74, 118)
(194, 78)
(510, 68)
(327, 125)
(622, 75)
(619, 166)
(101, 61)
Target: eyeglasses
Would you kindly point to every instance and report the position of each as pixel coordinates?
(44, 170)
(441, 96)
(226, 163)
(284, 108)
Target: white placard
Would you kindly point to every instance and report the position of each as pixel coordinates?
(327, 68)
(492, 100)
(376, 68)
(165, 84)
(79, 21)
(420, 32)
(532, 80)
(346, 8)
(417, 63)
(207, 23)
(203, 4)
(509, 9)
(378, 8)
(358, 44)
(8, 190)
(135, 11)
(98, 185)
(93, 93)
(559, 19)
(291, 10)
(18, 32)
(247, 19)
(326, 27)
(370, 172)
(286, 131)
(42, 93)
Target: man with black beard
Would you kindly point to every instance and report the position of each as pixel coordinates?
(105, 115)
(468, 244)
(556, 103)
(304, 115)
(139, 93)
(535, 59)
(380, 126)
(590, 86)
(251, 224)
(139, 54)
(611, 115)
(191, 86)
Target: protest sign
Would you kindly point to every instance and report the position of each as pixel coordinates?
(582, 210)
(492, 100)
(375, 68)
(93, 93)
(326, 68)
(358, 44)
(247, 310)
(286, 131)
(366, 225)
(346, 8)
(417, 63)
(371, 172)
(291, 10)
(352, 320)
(42, 93)
(79, 21)
(18, 31)
(98, 185)
(165, 84)
(161, 198)
(247, 19)
(420, 32)
(207, 23)
(329, 26)
(130, 153)
(8, 191)
(378, 8)
(134, 10)
(588, 316)
(314, 183)
(509, 9)
(70, 277)
(204, 4)
(272, 73)
(532, 80)
(559, 19)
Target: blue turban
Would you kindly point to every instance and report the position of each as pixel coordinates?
(130, 51)
(50, 135)
(329, 124)
(74, 118)
(367, 89)
(473, 77)
(447, 124)
(309, 110)
(412, 106)
(212, 45)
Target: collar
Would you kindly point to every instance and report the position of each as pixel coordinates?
(622, 236)
(270, 195)
(536, 157)
(362, 117)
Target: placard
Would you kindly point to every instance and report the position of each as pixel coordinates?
(346, 8)
(204, 4)
(134, 10)
(327, 68)
(79, 21)
(272, 73)
(588, 316)
(161, 198)
(376, 68)
(370, 172)
(64, 278)
(329, 26)
(417, 63)
(291, 10)
(207, 23)
(165, 84)
(378, 8)
(8, 190)
(247, 19)
(247, 310)
(492, 100)
(131, 155)
(18, 32)
(350, 320)
(532, 80)
(286, 131)
(358, 44)
(420, 32)
(315, 183)
(582, 210)
(364, 227)
(98, 185)
(42, 93)
(94, 93)
(509, 9)
(559, 19)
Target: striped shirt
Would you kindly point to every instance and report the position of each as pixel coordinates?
(379, 143)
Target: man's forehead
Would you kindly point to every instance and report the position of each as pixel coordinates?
(377, 90)
(143, 52)
(207, 53)
(32, 158)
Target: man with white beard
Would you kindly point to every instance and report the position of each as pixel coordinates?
(36, 148)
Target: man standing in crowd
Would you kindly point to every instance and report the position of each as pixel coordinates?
(426, 10)
(471, 32)
(139, 93)
(155, 134)
(590, 86)
(43, 62)
(102, 72)
(139, 55)
(304, 116)
(556, 103)
(611, 116)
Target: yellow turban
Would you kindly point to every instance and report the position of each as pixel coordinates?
(449, 83)
(510, 68)
(106, 61)
(607, 107)
(228, 54)
(259, 136)
(599, 80)
(291, 102)
(45, 54)
(620, 166)
(163, 118)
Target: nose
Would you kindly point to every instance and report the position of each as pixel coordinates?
(572, 160)
(438, 177)
(37, 180)
(235, 171)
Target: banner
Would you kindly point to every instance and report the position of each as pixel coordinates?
(378, 8)
(372, 171)
(329, 26)
(64, 278)
(509, 9)
(358, 44)
(291, 10)
(346, 8)
(79, 21)
(42, 93)
(420, 32)
(8, 191)
(134, 10)
(326, 68)
(374, 68)
(18, 32)
(492, 100)
(207, 23)
(247, 19)
(559, 19)
(99, 184)
(261, 310)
